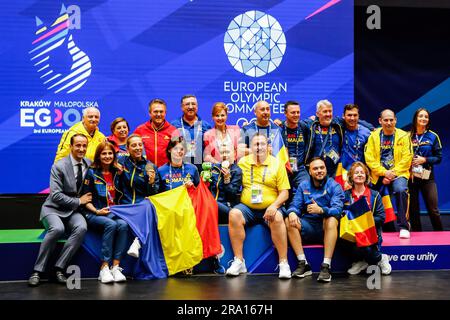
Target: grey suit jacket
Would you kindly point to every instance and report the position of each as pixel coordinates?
(63, 198)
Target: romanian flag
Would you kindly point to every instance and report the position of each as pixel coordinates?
(280, 151)
(358, 225)
(387, 203)
(167, 227)
(341, 176)
(207, 216)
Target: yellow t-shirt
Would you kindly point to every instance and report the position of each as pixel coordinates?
(275, 180)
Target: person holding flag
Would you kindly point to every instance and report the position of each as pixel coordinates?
(265, 188)
(313, 217)
(363, 256)
(388, 155)
(176, 172)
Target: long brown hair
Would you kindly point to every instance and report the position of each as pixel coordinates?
(414, 121)
(102, 146)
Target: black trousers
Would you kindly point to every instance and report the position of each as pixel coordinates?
(430, 196)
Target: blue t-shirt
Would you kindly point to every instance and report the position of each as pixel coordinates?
(248, 131)
(322, 136)
(295, 141)
(353, 147)
(172, 177)
(194, 138)
(387, 150)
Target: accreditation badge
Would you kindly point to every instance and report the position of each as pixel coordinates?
(293, 163)
(333, 155)
(257, 196)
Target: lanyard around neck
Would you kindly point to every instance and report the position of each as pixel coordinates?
(196, 134)
(170, 174)
(264, 174)
(416, 151)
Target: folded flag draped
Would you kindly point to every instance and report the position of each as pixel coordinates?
(167, 227)
(206, 212)
(358, 225)
(387, 203)
(142, 219)
(280, 151)
(177, 228)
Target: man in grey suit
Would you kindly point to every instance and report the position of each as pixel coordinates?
(60, 212)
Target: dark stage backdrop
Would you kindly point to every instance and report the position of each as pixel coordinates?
(57, 58)
(406, 65)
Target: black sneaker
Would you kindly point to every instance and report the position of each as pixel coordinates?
(324, 275)
(303, 270)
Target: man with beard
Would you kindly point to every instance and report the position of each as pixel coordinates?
(156, 133)
(313, 217)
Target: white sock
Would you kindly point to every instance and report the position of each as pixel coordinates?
(327, 261)
(301, 257)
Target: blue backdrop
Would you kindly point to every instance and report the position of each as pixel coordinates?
(57, 58)
(404, 66)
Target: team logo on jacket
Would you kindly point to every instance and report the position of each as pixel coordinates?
(254, 43)
(60, 64)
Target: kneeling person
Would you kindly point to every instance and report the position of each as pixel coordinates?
(265, 187)
(313, 217)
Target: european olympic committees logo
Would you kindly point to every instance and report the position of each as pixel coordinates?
(61, 68)
(255, 43)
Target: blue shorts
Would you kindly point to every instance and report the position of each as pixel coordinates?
(253, 216)
(312, 230)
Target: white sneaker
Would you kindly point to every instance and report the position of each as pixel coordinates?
(117, 274)
(357, 267)
(236, 268)
(105, 275)
(134, 248)
(404, 234)
(285, 270)
(384, 265)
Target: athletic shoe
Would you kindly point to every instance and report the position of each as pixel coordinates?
(117, 274)
(404, 234)
(357, 267)
(237, 267)
(285, 270)
(324, 275)
(105, 275)
(303, 270)
(384, 265)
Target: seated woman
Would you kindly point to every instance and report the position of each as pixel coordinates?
(140, 178)
(119, 130)
(101, 181)
(226, 183)
(175, 173)
(358, 178)
(222, 135)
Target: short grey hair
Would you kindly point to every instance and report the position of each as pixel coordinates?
(322, 103)
(85, 110)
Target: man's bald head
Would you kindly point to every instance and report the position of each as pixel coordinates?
(388, 120)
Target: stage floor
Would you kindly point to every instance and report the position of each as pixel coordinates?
(406, 285)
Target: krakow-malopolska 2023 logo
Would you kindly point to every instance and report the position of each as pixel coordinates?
(48, 53)
(255, 43)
